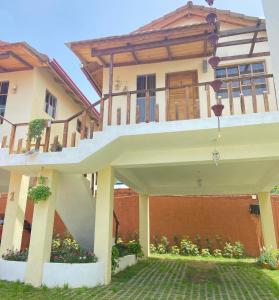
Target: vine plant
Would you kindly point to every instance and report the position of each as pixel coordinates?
(40, 192)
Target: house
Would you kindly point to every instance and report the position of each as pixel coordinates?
(170, 124)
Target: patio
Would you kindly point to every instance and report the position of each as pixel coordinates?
(170, 277)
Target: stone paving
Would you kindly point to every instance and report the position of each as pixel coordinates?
(165, 279)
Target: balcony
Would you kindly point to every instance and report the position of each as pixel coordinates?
(186, 102)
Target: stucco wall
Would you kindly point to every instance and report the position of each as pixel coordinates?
(28, 102)
(127, 78)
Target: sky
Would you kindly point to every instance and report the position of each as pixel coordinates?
(47, 25)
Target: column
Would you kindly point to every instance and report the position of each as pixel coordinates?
(267, 220)
(41, 233)
(271, 8)
(104, 219)
(15, 213)
(144, 231)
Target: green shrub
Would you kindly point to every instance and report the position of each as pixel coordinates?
(134, 247)
(235, 250)
(205, 252)
(152, 248)
(228, 250)
(114, 258)
(175, 250)
(269, 258)
(16, 255)
(161, 249)
(165, 243)
(217, 253)
(198, 241)
(187, 248)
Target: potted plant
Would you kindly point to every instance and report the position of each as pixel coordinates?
(40, 192)
(35, 131)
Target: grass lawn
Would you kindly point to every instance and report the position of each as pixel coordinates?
(170, 277)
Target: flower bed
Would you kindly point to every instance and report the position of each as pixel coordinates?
(12, 270)
(125, 262)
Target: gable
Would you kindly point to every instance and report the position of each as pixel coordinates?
(190, 14)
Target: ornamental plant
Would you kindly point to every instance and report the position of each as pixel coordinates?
(134, 247)
(205, 252)
(187, 248)
(39, 193)
(269, 258)
(114, 258)
(36, 129)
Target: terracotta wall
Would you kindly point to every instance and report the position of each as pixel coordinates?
(225, 216)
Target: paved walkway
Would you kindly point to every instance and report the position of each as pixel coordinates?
(167, 279)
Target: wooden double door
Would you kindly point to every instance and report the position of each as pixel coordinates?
(183, 98)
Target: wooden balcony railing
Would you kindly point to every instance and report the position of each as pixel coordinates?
(235, 102)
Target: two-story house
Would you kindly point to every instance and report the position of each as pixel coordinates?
(188, 107)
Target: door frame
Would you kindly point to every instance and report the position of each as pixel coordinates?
(196, 80)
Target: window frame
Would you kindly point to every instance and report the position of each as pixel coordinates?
(242, 77)
(53, 116)
(5, 95)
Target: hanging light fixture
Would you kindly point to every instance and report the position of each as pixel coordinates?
(211, 19)
(210, 2)
(213, 39)
(214, 61)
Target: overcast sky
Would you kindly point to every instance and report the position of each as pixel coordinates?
(47, 25)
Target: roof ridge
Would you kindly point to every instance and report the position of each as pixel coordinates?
(190, 5)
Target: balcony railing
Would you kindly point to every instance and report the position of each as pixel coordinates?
(160, 105)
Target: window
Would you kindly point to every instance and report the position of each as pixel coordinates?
(146, 82)
(50, 104)
(4, 87)
(79, 128)
(243, 86)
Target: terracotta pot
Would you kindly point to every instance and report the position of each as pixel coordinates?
(216, 85)
(213, 39)
(210, 2)
(218, 109)
(211, 19)
(214, 61)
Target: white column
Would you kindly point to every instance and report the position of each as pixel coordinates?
(271, 8)
(15, 213)
(267, 220)
(41, 233)
(144, 231)
(103, 219)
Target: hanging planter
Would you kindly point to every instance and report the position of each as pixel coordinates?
(218, 109)
(211, 19)
(210, 2)
(40, 192)
(216, 85)
(214, 61)
(213, 39)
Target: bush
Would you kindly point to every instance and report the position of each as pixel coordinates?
(234, 251)
(16, 255)
(269, 258)
(114, 258)
(152, 248)
(175, 250)
(187, 248)
(217, 253)
(134, 247)
(161, 249)
(205, 252)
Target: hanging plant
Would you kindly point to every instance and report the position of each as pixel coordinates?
(36, 129)
(216, 85)
(214, 61)
(210, 2)
(40, 192)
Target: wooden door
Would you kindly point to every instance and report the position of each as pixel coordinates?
(183, 103)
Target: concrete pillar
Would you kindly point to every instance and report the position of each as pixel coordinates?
(104, 219)
(15, 213)
(41, 234)
(144, 231)
(267, 220)
(271, 8)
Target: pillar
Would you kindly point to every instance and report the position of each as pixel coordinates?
(144, 231)
(271, 8)
(15, 213)
(104, 219)
(267, 220)
(41, 233)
